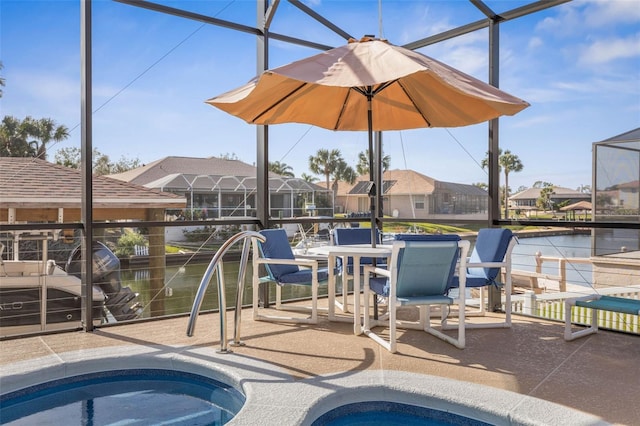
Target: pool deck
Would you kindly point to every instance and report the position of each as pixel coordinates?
(598, 374)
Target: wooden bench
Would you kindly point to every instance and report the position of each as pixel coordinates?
(597, 302)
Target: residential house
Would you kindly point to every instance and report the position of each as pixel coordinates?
(409, 194)
(525, 202)
(216, 188)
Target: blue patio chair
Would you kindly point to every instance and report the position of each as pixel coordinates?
(491, 254)
(421, 271)
(284, 269)
(344, 267)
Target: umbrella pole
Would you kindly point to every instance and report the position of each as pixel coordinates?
(374, 191)
(372, 173)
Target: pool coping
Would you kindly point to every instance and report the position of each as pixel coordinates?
(274, 397)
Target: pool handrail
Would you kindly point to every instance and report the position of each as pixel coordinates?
(216, 263)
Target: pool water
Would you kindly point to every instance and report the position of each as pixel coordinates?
(377, 413)
(124, 397)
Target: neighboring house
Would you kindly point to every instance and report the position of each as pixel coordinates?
(525, 201)
(216, 188)
(409, 194)
(620, 197)
(617, 175)
(35, 190)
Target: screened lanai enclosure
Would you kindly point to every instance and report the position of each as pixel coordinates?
(616, 195)
(553, 260)
(217, 197)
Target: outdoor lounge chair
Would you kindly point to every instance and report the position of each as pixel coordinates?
(284, 269)
(491, 253)
(420, 274)
(350, 236)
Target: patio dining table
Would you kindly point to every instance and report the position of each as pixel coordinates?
(357, 252)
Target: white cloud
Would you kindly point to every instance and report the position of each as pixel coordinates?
(535, 42)
(598, 13)
(534, 121)
(607, 50)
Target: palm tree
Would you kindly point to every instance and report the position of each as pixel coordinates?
(508, 163)
(13, 138)
(308, 178)
(44, 131)
(343, 172)
(283, 169)
(363, 163)
(331, 164)
(1, 79)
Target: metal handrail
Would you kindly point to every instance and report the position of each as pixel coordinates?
(216, 263)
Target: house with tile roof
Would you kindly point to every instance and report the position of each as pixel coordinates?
(409, 194)
(35, 190)
(524, 202)
(216, 188)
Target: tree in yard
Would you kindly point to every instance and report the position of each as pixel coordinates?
(544, 200)
(1, 79)
(585, 189)
(541, 184)
(508, 163)
(14, 139)
(102, 164)
(44, 131)
(229, 156)
(331, 164)
(343, 172)
(363, 163)
(283, 169)
(481, 185)
(308, 178)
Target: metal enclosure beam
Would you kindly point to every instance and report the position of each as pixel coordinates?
(262, 132)
(86, 162)
(484, 23)
(222, 23)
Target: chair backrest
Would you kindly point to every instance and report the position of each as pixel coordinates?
(491, 246)
(277, 247)
(425, 264)
(347, 236)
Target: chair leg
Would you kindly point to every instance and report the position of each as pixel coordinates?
(572, 335)
(256, 289)
(389, 345)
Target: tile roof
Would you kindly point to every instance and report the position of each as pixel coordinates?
(193, 165)
(178, 173)
(410, 182)
(33, 183)
(558, 192)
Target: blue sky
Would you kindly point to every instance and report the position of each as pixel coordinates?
(577, 64)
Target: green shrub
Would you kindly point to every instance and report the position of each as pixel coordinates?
(127, 242)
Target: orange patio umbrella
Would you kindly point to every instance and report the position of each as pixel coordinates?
(371, 85)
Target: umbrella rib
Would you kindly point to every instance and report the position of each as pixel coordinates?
(426, 120)
(384, 86)
(344, 105)
(280, 100)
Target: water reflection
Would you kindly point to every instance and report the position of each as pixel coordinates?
(181, 282)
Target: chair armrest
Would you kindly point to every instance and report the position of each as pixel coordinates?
(379, 271)
(572, 300)
(298, 262)
(486, 264)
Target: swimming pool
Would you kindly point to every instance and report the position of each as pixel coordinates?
(274, 397)
(391, 414)
(140, 396)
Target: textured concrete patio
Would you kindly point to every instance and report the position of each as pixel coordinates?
(598, 374)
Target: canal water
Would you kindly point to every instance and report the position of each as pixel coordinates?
(181, 282)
